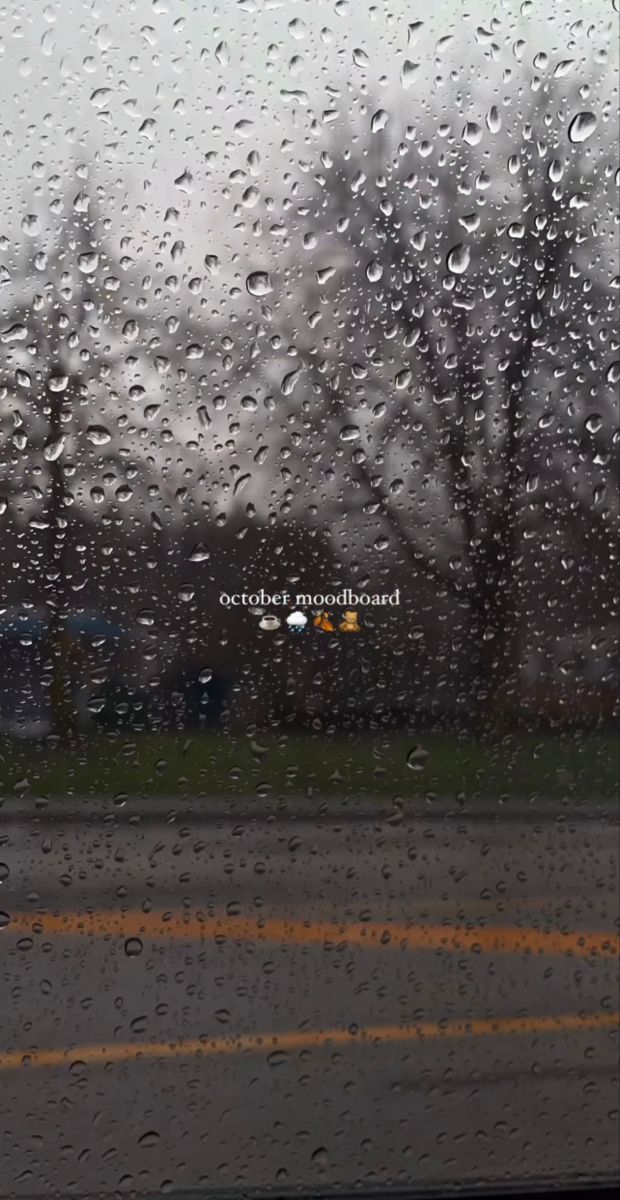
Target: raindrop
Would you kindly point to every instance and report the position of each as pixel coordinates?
(245, 129)
(99, 98)
(184, 182)
(31, 224)
(53, 448)
(200, 553)
(403, 378)
(582, 126)
(258, 283)
(88, 262)
(413, 32)
(349, 433)
(133, 947)
(297, 29)
(472, 133)
(14, 333)
(98, 435)
(150, 1138)
(289, 381)
(379, 120)
(408, 73)
(222, 53)
(131, 330)
(277, 1058)
(417, 758)
(494, 119)
(81, 202)
(613, 372)
(374, 271)
(360, 58)
(58, 383)
(458, 259)
(470, 222)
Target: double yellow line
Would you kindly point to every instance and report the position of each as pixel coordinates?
(157, 926)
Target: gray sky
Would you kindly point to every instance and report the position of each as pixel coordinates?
(142, 85)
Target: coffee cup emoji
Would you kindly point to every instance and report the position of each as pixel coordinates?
(350, 622)
(322, 621)
(270, 622)
(296, 622)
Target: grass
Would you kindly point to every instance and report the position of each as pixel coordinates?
(584, 767)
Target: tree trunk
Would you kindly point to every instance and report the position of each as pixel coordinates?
(62, 708)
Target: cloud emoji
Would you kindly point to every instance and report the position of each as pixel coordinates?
(297, 621)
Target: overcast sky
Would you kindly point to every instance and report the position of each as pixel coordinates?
(142, 85)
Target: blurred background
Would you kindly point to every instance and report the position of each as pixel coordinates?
(306, 295)
(292, 301)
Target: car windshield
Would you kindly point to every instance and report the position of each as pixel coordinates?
(308, 646)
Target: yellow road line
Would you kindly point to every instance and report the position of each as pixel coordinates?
(491, 939)
(272, 1043)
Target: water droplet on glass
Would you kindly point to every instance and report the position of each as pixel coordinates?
(53, 448)
(289, 381)
(14, 333)
(413, 32)
(133, 947)
(374, 271)
(150, 1138)
(185, 182)
(31, 224)
(408, 72)
(98, 435)
(458, 259)
(494, 119)
(472, 133)
(417, 758)
(258, 283)
(58, 383)
(582, 126)
(88, 262)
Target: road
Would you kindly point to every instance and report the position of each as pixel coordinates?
(244, 1006)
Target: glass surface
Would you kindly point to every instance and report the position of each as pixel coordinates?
(308, 646)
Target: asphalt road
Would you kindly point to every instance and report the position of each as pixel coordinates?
(238, 1006)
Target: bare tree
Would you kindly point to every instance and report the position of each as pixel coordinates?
(65, 345)
(458, 346)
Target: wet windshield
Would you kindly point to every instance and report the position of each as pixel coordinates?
(308, 647)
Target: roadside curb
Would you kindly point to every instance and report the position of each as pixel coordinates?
(335, 810)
